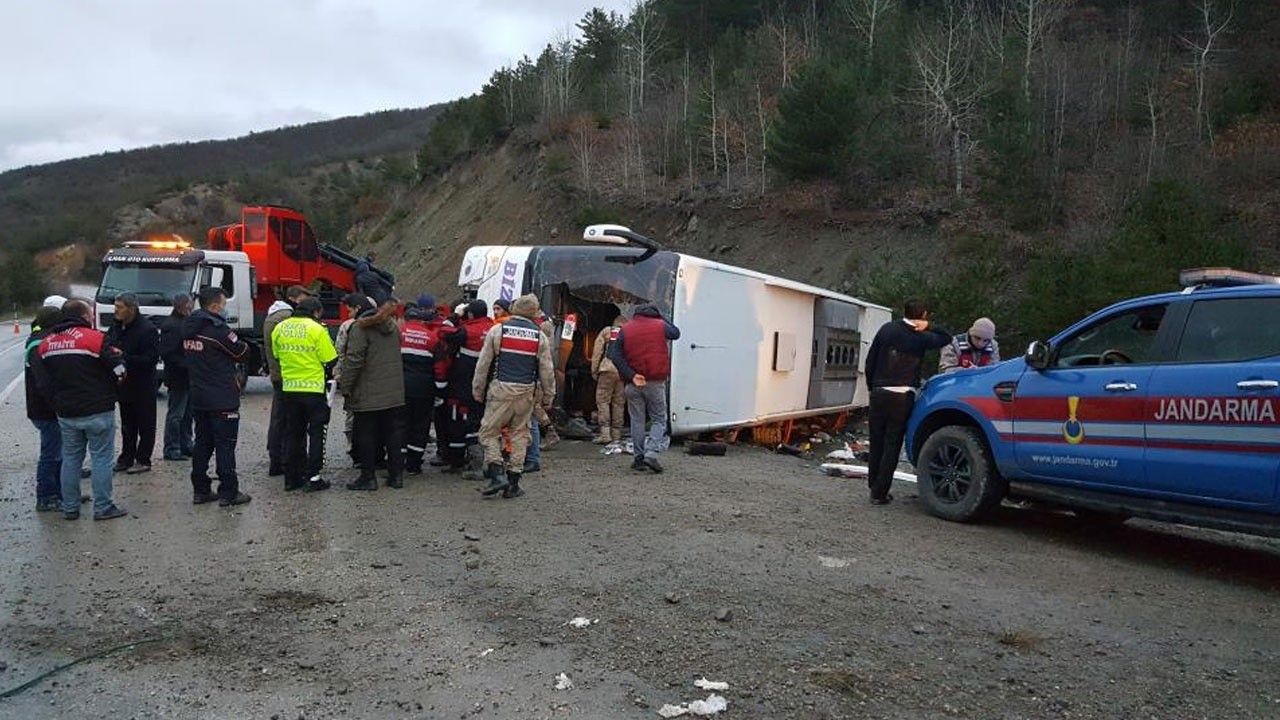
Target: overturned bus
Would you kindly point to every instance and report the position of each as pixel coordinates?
(754, 349)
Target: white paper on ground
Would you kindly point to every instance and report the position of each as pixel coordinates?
(840, 470)
(712, 705)
(581, 622)
(563, 682)
(671, 711)
(706, 684)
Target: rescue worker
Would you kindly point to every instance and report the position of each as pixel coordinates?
(177, 419)
(643, 360)
(213, 353)
(444, 324)
(517, 356)
(976, 348)
(418, 345)
(610, 398)
(42, 415)
(355, 303)
(302, 349)
(370, 283)
(545, 435)
(501, 310)
(138, 339)
(279, 311)
(465, 410)
(892, 370)
(533, 457)
(372, 381)
(79, 374)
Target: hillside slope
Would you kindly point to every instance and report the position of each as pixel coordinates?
(74, 200)
(507, 196)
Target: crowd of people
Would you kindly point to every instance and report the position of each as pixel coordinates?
(482, 384)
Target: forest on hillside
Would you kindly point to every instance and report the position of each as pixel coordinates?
(1092, 148)
(74, 201)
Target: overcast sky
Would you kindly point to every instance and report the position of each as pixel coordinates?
(82, 77)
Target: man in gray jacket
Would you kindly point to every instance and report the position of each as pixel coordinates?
(371, 379)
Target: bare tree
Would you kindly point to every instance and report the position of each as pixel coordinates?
(563, 78)
(1032, 20)
(1205, 46)
(584, 142)
(766, 120)
(686, 80)
(786, 39)
(994, 32)
(709, 92)
(948, 87)
(641, 41)
(868, 18)
(1153, 101)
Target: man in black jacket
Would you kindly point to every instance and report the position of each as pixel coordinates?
(42, 415)
(893, 377)
(77, 372)
(177, 419)
(213, 352)
(137, 337)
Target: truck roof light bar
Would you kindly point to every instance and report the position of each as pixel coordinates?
(160, 242)
(1224, 277)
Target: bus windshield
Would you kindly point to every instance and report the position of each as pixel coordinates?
(153, 284)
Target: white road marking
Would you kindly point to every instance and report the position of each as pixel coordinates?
(8, 390)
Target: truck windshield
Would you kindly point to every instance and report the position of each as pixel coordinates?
(153, 284)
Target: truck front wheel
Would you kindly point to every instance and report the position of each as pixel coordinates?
(957, 479)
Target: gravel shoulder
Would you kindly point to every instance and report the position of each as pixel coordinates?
(752, 569)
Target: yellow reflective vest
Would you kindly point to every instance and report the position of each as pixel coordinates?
(302, 347)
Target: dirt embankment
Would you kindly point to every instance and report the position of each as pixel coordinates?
(508, 197)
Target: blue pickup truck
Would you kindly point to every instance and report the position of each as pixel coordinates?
(1164, 407)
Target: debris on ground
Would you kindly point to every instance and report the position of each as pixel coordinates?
(833, 562)
(577, 429)
(796, 450)
(563, 682)
(713, 705)
(487, 652)
(706, 684)
(581, 622)
(672, 597)
(724, 614)
(860, 471)
(714, 449)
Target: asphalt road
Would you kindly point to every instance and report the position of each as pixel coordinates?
(11, 359)
(752, 569)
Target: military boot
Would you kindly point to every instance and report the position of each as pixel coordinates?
(497, 480)
(513, 488)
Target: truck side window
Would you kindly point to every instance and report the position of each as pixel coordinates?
(255, 229)
(1126, 337)
(291, 239)
(310, 246)
(1231, 330)
(228, 283)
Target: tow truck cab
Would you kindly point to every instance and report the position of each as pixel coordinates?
(1165, 407)
(156, 270)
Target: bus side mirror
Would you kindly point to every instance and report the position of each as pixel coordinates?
(1037, 356)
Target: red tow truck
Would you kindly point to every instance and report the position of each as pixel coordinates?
(253, 261)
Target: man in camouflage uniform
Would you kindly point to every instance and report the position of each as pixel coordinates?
(519, 355)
